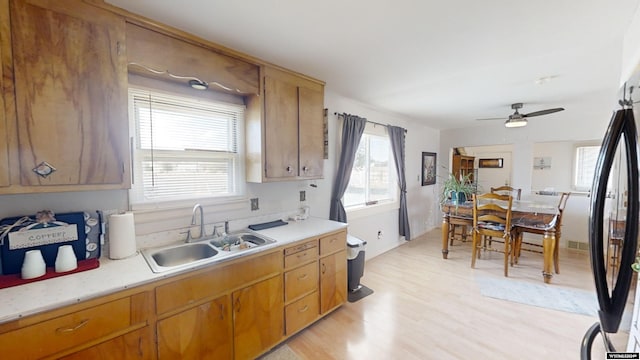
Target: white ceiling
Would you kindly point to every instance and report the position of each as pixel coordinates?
(445, 63)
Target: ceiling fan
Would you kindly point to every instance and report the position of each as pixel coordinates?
(518, 120)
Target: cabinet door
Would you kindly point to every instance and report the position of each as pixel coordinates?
(258, 318)
(135, 345)
(4, 135)
(203, 332)
(281, 129)
(333, 281)
(70, 79)
(311, 120)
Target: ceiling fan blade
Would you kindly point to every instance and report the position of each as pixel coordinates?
(542, 112)
(496, 118)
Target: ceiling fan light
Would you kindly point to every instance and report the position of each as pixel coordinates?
(514, 123)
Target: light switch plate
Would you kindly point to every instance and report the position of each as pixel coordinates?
(254, 204)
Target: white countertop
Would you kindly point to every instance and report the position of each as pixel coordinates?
(116, 275)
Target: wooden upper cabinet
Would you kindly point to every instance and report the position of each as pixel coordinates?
(4, 135)
(162, 52)
(292, 130)
(70, 79)
(311, 129)
(281, 128)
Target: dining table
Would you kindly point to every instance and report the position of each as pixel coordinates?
(524, 213)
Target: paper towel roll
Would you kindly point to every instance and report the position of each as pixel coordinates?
(122, 236)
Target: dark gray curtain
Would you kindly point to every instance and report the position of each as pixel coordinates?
(396, 134)
(352, 129)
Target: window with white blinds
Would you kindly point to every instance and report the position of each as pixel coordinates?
(184, 148)
(585, 161)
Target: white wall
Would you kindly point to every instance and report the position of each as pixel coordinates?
(278, 198)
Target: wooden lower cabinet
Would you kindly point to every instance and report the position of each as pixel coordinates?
(135, 345)
(115, 324)
(333, 281)
(203, 332)
(301, 313)
(238, 310)
(258, 318)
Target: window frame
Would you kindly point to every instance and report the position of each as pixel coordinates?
(576, 163)
(186, 202)
(365, 210)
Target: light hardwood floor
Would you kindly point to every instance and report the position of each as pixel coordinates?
(425, 307)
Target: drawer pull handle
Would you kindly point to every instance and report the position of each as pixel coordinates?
(302, 277)
(63, 330)
(221, 311)
(305, 308)
(324, 268)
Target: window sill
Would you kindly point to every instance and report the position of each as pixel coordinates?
(358, 212)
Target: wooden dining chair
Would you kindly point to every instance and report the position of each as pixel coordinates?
(492, 217)
(507, 190)
(459, 228)
(540, 229)
(614, 250)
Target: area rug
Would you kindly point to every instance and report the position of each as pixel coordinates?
(541, 295)
(282, 352)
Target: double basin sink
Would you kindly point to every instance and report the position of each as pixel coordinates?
(204, 251)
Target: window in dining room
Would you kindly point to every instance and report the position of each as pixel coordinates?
(373, 176)
(585, 166)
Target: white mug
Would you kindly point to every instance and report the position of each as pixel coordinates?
(66, 259)
(33, 265)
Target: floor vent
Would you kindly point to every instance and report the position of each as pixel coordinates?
(577, 245)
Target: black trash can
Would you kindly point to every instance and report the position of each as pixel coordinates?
(355, 261)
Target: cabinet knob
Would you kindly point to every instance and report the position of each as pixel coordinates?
(305, 169)
(289, 169)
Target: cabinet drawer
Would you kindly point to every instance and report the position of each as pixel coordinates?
(332, 243)
(301, 313)
(307, 254)
(301, 247)
(300, 281)
(67, 331)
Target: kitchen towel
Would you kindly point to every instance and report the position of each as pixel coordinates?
(122, 236)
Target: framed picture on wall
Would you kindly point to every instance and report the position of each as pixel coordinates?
(490, 163)
(429, 168)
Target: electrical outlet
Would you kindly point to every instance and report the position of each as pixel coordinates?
(254, 204)
(303, 195)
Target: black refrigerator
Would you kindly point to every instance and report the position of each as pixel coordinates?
(614, 200)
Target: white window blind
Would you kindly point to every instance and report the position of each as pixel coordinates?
(585, 160)
(185, 148)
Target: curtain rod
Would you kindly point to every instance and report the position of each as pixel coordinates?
(369, 121)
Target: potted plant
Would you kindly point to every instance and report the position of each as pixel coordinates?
(459, 190)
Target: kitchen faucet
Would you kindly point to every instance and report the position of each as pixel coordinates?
(190, 238)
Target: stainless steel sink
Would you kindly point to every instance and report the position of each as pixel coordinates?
(253, 240)
(208, 250)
